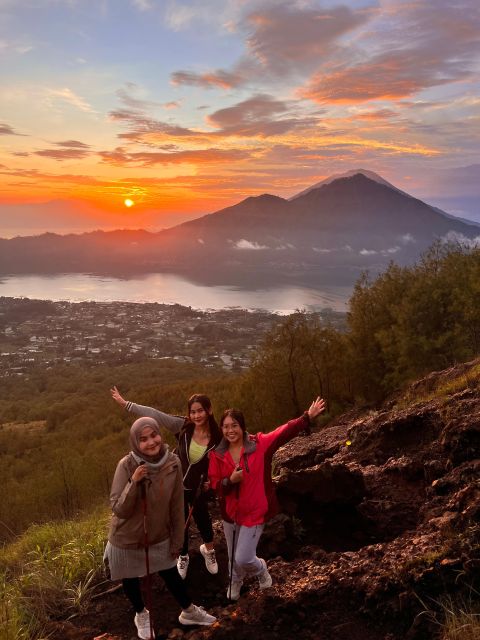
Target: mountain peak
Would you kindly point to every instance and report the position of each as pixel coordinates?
(371, 175)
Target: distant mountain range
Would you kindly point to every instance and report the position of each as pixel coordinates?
(325, 235)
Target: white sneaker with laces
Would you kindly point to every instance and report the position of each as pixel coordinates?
(182, 566)
(210, 559)
(264, 578)
(142, 622)
(196, 615)
(236, 586)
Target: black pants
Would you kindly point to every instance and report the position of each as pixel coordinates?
(175, 585)
(200, 515)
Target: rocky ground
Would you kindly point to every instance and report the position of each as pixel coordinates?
(380, 524)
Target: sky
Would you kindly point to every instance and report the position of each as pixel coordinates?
(183, 107)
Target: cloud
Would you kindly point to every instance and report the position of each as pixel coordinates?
(70, 97)
(143, 5)
(130, 101)
(280, 40)
(256, 116)
(73, 144)
(415, 46)
(7, 130)
(288, 39)
(173, 104)
(206, 14)
(220, 79)
(140, 125)
(377, 115)
(390, 251)
(456, 237)
(367, 252)
(249, 246)
(120, 157)
(62, 154)
(70, 150)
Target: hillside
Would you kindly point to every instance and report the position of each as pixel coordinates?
(328, 234)
(378, 539)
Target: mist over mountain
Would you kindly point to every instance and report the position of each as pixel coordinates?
(327, 234)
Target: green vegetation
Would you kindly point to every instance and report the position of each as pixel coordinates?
(403, 325)
(51, 570)
(414, 320)
(62, 434)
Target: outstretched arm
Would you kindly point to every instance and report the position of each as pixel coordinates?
(171, 423)
(281, 435)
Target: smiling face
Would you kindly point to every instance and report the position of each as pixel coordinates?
(232, 430)
(198, 415)
(149, 442)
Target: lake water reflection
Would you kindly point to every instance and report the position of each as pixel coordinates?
(168, 288)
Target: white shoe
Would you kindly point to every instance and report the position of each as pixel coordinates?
(142, 622)
(210, 559)
(235, 593)
(264, 578)
(182, 566)
(196, 615)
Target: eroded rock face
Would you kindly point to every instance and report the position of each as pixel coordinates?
(386, 520)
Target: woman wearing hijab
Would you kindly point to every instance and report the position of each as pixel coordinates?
(148, 522)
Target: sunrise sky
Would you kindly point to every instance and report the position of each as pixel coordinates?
(185, 107)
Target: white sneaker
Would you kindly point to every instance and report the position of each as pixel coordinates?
(142, 622)
(264, 578)
(210, 559)
(182, 566)
(197, 615)
(236, 586)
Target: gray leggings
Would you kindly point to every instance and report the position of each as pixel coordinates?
(245, 559)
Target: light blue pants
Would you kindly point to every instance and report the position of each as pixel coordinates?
(245, 552)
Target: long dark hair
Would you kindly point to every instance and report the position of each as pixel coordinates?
(237, 415)
(201, 398)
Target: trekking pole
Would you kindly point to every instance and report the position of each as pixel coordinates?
(195, 498)
(147, 560)
(231, 561)
(237, 489)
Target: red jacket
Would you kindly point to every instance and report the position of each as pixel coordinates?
(252, 501)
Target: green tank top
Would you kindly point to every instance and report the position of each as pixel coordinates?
(196, 451)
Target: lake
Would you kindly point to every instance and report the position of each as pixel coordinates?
(169, 288)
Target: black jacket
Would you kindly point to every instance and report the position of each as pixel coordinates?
(192, 473)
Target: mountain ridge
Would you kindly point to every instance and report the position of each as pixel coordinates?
(327, 235)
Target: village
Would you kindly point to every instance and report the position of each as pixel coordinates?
(38, 333)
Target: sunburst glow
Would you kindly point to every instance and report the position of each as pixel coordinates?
(128, 203)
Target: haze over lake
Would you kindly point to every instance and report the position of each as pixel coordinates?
(169, 289)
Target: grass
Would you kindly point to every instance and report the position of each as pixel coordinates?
(50, 572)
(458, 617)
(443, 389)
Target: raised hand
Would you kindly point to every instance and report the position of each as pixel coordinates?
(316, 408)
(117, 397)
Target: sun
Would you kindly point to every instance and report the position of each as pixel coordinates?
(128, 203)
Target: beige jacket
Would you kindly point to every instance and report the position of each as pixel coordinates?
(164, 500)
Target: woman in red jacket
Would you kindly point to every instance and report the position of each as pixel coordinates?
(240, 472)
